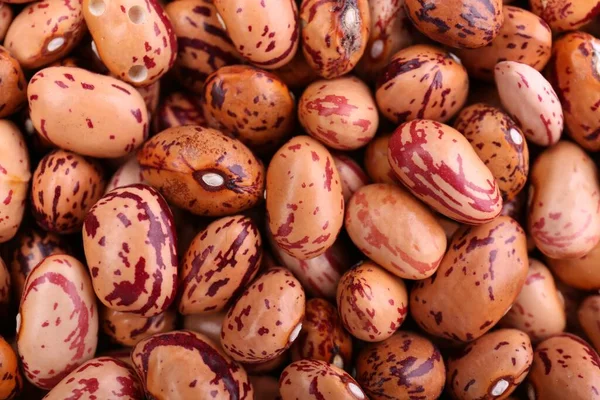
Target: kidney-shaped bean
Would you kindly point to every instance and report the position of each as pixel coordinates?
(13, 87)
(12, 380)
(579, 273)
(128, 328)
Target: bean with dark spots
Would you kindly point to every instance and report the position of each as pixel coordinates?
(128, 329)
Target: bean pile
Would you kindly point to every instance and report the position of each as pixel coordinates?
(299, 199)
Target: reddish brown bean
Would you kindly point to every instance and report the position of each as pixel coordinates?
(196, 179)
(220, 262)
(5, 289)
(304, 198)
(419, 362)
(179, 109)
(265, 387)
(478, 280)
(352, 175)
(128, 329)
(13, 87)
(266, 319)
(581, 273)
(297, 74)
(565, 15)
(12, 382)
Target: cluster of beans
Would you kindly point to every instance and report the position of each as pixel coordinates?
(299, 199)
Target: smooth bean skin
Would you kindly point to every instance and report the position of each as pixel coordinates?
(315, 379)
(129, 173)
(297, 74)
(207, 324)
(155, 357)
(179, 109)
(439, 167)
(13, 86)
(564, 367)
(203, 44)
(457, 23)
(115, 126)
(31, 246)
(151, 96)
(266, 34)
(420, 361)
(6, 18)
(539, 310)
(249, 104)
(351, 173)
(588, 316)
(14, 179)
(64, 187)
(305, 204)
(133, 38)
(376, 164)
(524, 37)
(128, 329)
(565, 15)
(531, 101)
(57, 324)
(341, 113)
(412, 247)
(44, 32)
(203, 171)
(220, 262)
(12, 379)
(478, 280)
(334, 36)
(130, 248)
(499, 143)
(422, 82)
(580, 273)
(372, 303)
(101, 378)
(266, 319)
(323, 336)
(563, 213)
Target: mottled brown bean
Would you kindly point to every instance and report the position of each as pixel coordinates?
(351, 173)
(12, 382)
(580, 273)
(13, 87)
(179, 109)
(588, 315)
(376, 164)
(128, 328)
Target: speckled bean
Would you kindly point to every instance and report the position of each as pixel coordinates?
(304, 198)
(134, 38)
(151, 96)
(340, 112)
(372, 302)
(220, 262)
(12, 380)
(412, 247)
(128, 329)
(478, 280)
(422, 82)
(13, 87)
(129, 244)
(564, 193)
(57, 324)
(266, 318)
(351, 173)
(199, 358)
(439, 166)
(565, 15)
(208, 173)
(580, 273)
(179, 109)
(114, 126)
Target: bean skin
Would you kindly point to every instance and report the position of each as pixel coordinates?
(57, 325)
(5, 289)
(402, 366)
(565, 15)
(179, 109)
(297, 74)
(12, 380)
(6, 18)
(207, 324)
(13, 87)
(128, 329)
(129, 173)
(588, 315)
(440, 167)
(376, 164)
(129, 244)
(351, 173)
(155, 357)
(265, 387)
(580, 273)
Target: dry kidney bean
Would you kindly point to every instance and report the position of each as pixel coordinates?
(323, 336)
(14, 179)
(340, 112)
(208, 173)
(45, 32)
(457, 23)
(179, 109)
(128, 328)
(134, 38)
(220, 262)
(422, 82)
(376, 164)
(57, 324)
(440, 167)
(115, 126)
(297, 74)
(305, 204)
(539, 309)
(203, 44)
(151, 96)
(351, 173)
(199, 358)
(105, 377)
(129, 243)
(564, 367)
(565, 15)
(531, 102)
(580, 273)
(265, 33)
(266, 318)
(499, 143)
(524, 37)
(64, 188)
(410, 248)
(12, 380)
(334, 34)
(564, 217)
(486, 264)
(13, 87)
(315, 380)
(129, 173)
(268, 366)
(490, 367)
(6, 18)
(264, 107)
(372, 302)
(589, 317)
(207, 324)
(419, 362)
